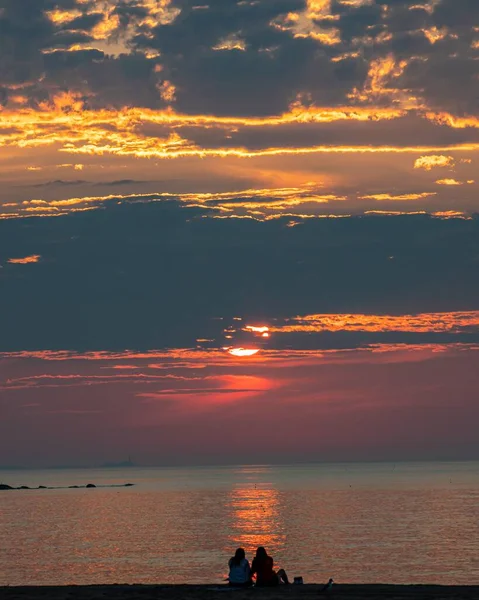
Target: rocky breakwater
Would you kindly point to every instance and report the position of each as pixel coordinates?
(4, 486)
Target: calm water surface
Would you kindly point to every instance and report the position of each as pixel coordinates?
(402, 523)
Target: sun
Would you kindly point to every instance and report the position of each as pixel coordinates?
(243, 351)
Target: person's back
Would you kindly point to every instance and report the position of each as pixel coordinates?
(240, 572)
(262, 566)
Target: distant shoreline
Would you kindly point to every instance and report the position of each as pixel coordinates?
(216, 591)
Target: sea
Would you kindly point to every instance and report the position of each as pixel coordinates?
(400, 523)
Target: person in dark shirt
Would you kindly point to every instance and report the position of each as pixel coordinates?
(262, 567)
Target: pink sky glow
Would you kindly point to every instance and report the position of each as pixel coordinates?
(173, 407)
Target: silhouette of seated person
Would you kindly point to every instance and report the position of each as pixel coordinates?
(240, 572)
(262, 567)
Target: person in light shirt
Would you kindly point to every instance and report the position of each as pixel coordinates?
(240, 572)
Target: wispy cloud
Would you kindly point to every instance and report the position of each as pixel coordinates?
(451, 181)
(421, 323)
(25, 260)
(398, 197)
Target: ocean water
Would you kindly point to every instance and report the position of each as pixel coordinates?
(359, 523)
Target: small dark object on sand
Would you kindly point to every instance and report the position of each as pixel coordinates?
(327, 587)
(90, 485)
(129, 484)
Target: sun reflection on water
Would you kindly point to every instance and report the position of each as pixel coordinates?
(256, 513)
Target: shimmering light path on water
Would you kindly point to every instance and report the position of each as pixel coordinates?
(402, 523)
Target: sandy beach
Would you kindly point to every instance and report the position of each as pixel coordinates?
(217, 592)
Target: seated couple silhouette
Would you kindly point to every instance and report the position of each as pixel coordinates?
(241, 574)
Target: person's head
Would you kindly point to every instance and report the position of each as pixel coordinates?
(239, 555)
(261, 552)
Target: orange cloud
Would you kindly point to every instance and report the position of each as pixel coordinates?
(34, 258)
(419, 323)
(180, 359)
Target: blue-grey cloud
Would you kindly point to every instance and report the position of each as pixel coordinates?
(160, 274)
(274, 61)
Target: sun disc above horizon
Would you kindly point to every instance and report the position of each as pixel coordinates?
(243, 351)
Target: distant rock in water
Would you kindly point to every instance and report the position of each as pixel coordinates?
(116, 465)
(42, 487)
(90, 485)
(129, 484)
(4, 486)
(23, 487)
(70, 487)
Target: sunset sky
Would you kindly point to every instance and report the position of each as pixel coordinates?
(238, 230)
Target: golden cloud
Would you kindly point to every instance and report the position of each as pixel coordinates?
(434, 34)
(430, 162)
(254, 200)
(63, 123)
(451, 214)
(250, 199)
(63, 17)
(305, 24)
(398, 197)
(395, 213)
(449, 182)
(232, 42)
(261, 204)
(380, 84)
